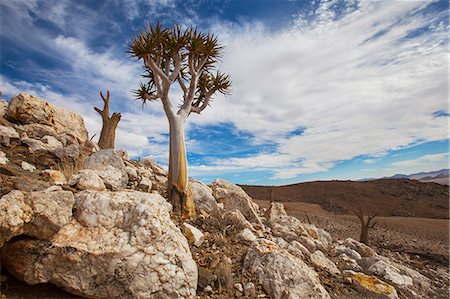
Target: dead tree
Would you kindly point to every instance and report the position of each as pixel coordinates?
(187, 58)
(109, 124)
(366, 223)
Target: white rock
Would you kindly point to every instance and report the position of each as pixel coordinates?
(362, 249)
(145, 185)
(322, 262)
(3, 159)
(155, 167)
(348, 251)
(281, 274)
(238, 286)
(53, 188)
(347, 263)
(120, 245)
(29, 109)
(236, 219)
(203, 197)
(109, 167)
(37, 131)
(193, 234)
(56, 176)
(208, 289)
(391, 274)
(3, 107)
(28, 167)
(234, 198)
(297, 249)
(6, 133)
(246, 236)
(39, 214)
(52, 143)
(69, 152)
(87, 179)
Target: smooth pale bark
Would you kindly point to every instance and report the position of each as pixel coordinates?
(179, 193)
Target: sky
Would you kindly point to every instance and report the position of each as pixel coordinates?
(322, 89)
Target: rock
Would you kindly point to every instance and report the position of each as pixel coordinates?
(246, 236)
(281, 274)
(322, 262)
(339, 249)
(390, 273)
(53, 188)
(109, 167)
(6, 134)
(56, 177)
(155, 167)
(120, 245)
(361, 248)
(87, 179)
(238, 286)
(234, 198)
(28, 167)
(208, 289)
(3, 107)
(40, 214)
(145, 185)
(69, 152)
(373, 287)
(236, 219)
(37, 131)
(250, 290)
(3, 158)
(29, 109)
(193, 234)
(297, 246)
(275, 212)
(347, 263)
(203, 197)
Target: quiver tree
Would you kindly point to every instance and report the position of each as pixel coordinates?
(366, 222)
(185, 58)
(109, 124)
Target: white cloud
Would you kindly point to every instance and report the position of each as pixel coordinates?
(355, 92)
(424, 161)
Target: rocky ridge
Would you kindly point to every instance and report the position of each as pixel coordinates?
(96, 224)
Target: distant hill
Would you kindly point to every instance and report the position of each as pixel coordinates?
(387, 197)
(438, 176)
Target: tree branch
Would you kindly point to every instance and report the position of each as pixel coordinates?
(201, 64)
(177, 67)
(205, 104)
(149, 62)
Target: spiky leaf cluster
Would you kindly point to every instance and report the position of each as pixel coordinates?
(196, 52)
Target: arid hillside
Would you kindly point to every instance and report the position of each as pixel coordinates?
(386, 197)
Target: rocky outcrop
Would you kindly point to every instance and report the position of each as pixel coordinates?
(203, 197)
(39, 214)
(119, 245)
(87, 179)
(108, 165)
(282, 274)
(29, 109)
(234, 198)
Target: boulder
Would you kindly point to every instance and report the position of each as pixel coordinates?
(322, 262)
(339, 249)
(120, 245)
(3, 107)
(37, 131)
(145, 184)
(27, 166)
(3, 158)
(246, 236)
(40, 214)
(193, 234)
(361, 248)
(390, 274)
(236, 219)
(6, 134)
(29, 109)
(87, 179)
(281, 274)
(234, 198)
(155, 167)
(203, 197)
(373, 287)
(109, 167)
(347, 263)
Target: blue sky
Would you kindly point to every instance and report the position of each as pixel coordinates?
(321, 89)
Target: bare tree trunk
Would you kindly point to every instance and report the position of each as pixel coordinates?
(109, 124)
(179, 193)
(364, 236)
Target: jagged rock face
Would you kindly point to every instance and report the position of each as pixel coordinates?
(292, 229)
(282, 274)
(120, 245)
(29, 109)
(234, 198)
(203, 197)
(40, 214)
(109, 167)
